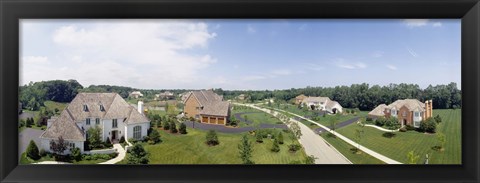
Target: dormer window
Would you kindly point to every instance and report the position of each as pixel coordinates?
(85, 108)
(102, 108)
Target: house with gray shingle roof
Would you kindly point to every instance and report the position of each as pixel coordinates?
(109, 111)
(207, 107)
(323, 104)
(408, 111)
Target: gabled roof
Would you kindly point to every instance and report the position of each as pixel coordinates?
(212, 103)
(331, 104)
(411, 104)
(316, 99)
(65, 127)
(302, 96)
(379, 110)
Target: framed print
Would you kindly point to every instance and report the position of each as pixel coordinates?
(265, 91)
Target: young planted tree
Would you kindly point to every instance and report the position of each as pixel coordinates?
(212, 138)
(173, 127)
(154, 137)
(166, 125)
(94, 137)
(275, 146)
(438, 119)
(441, 141)
(159, 123)
(310, 159)
(258, 136)
(58, 147)
(182, 129)
(32, 151)
(297, 133)
(76, 154)
(412, 158)
(358, 137)
(245, 150)
(280, 138)
(137, 155)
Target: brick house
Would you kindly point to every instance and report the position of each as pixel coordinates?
(207, 106)
(408, 111)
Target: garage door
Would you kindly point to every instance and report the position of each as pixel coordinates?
(204, 119)
(212, 120)
(221, 121)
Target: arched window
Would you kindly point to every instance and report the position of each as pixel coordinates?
(137, 132)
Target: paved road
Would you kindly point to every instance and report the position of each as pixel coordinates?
(339, 125)
(24, 139)
(225, 129)
(362, 148)
(25, 115)
(314, 144)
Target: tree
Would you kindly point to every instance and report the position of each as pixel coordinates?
(245, 150)
(280, 138)
(333, 123)
(441, 141)
(358, 136)
(173, 127)
(212, 138)
(94, 137)
(154, 136)
(183, 128)
(275, 146)
(32, 151)
(166, 125)
(412, 158)
(58, 147)
(310, 159)
(258, 136)
(429, 125)
(76, 154)
(297, 133)
(159, 123)
(29, 122)
(438, 119)
(137, 155)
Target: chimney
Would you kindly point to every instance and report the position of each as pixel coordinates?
(431, 108)
(140, 107)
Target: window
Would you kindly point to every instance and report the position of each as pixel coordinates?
(114, 123)
(97, 121)
(88, 121)
(71, 145)
(137, 132)
(417, 114)
(394, 112)
(102, 108)
(85, 108)
(404, 113)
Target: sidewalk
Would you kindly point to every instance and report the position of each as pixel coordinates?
(121, 155)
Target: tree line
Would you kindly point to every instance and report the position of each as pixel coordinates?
(362, 96)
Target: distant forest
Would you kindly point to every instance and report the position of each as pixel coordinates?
(362, 96)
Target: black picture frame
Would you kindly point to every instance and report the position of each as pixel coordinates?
(13, 10)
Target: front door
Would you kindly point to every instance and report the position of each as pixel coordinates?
(114, 135)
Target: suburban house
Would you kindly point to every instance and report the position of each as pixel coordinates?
(241, 97)
(165, 96)
(109, 111)
(299, 99)
(407, 111)
(323, 104)
(207, 106)
(136, 94)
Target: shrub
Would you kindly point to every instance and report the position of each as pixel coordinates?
(258, 136)
(76, 154)
(132, 140)
(32, 151)
(275, 146)
(310, 160)
(159, 123)
(388, 135)
(409, 127)
(212, 138)
(154, 137)
(182, 129)
(280, 138)
(122, 139)
(166, 125)
(392, 124)
(173, 127)
(368, 119)
(438, 119)
(294, 147)
(380, 121)
(430, 125)
(42, 153)
(108, 141)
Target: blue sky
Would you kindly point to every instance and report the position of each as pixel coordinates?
(241, 54)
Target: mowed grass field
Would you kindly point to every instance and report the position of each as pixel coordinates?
(345, 149)
(404, 142)
(52, 105)
(191, 149)
(262, 117)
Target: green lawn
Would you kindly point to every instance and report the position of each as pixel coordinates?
(191, 149)
(26, 160)
(345, 149)
(404, 142)
(52, 105)
(258, 118)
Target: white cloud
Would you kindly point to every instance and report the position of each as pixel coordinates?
(35, 60)
(391, 67)
(254, 77)
(144, 54)
(437, 24)
(347, 65)
(415, 22)
(413, 53)
(282, 72)
(377, 54)
(251, 29)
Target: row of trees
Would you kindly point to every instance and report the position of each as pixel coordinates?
(363, 96)
(33, 95)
